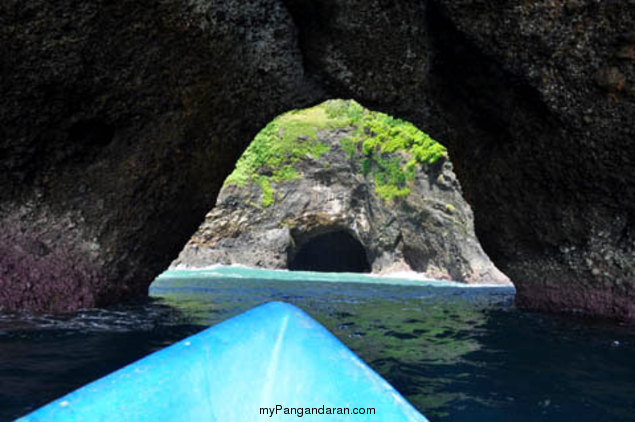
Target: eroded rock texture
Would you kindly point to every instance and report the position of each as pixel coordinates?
(332, 217)
(119, 121)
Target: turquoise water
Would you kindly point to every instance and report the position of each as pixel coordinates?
(188, 277)
(457, 353)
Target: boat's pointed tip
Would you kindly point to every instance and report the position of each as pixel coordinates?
(280, 309)
(280, 306)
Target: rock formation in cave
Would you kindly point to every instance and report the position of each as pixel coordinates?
(337, 187)
(120, 120)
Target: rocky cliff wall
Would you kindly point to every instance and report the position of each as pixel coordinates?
(119, 121)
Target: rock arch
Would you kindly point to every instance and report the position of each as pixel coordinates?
(539, 127)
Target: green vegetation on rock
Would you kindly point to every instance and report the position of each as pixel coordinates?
(393, 150)
(390, 150)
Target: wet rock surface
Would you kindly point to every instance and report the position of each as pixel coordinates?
(122, 119)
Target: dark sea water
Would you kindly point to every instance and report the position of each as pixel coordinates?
(456, 353)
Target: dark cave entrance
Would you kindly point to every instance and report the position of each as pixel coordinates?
(335, 251)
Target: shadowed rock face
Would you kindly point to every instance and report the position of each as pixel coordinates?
(335, 251)
(119, 122)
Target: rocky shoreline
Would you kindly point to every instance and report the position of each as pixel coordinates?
(393, 277)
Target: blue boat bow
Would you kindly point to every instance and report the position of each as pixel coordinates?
(273, 363)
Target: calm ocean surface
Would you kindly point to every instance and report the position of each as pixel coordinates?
(456, 353)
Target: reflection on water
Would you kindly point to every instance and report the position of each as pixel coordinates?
(458, 354)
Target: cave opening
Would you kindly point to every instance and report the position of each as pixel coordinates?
(336, 251)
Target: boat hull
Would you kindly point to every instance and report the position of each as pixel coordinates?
(273, 357)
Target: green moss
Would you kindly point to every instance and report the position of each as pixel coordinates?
(267, 191)
(285, 140)
(391, 151)
(285, 173)
(390, 192)
(350, 146)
